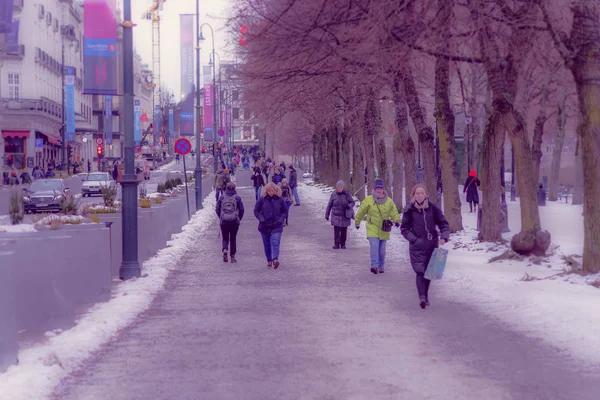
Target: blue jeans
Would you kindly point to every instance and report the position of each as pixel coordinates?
(377, 252)
(295, 193)
(271, 244)
(257, 191)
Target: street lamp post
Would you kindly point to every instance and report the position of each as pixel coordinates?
(198, 170)
(63, 101)
(130, 266)
(212, 33)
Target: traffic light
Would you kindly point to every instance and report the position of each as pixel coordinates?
(99, 151)
(69, 153)
(203, 150)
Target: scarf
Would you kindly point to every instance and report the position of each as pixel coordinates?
(380, 198)
(421, 206)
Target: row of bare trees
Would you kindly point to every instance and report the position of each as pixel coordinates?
(326, 66)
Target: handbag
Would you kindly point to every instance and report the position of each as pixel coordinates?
(386, 224)
(437, 264)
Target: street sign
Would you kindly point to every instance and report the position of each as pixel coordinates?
(183, 146)
(39, 143)
(221, 132)
(99, 141)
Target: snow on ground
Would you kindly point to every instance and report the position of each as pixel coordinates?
(17, 228)
(42, 367)
(537, 300)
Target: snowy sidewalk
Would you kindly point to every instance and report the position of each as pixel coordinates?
(322, 326)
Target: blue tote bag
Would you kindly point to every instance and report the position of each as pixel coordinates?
(437, 264)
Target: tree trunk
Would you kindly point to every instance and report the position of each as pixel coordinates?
(358, 167)
(558, 145)
(578, 184)
(345, 157)
(406, 142)
(316, 156)
(397, 171)
(383, 167)
(492, 145)
(424, 132)
(538, 130)
(445, 118)
(370, 125)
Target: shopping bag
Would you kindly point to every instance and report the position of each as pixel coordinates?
(437, 264)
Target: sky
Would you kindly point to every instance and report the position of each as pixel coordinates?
(214, 12)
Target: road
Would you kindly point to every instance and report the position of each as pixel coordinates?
(320, 327)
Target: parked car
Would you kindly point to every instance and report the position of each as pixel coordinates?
(46, 195)
(94, 183)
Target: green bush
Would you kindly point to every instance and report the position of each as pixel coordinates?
(109, 193)
(70, 206)
(16, 209)
(161, 188)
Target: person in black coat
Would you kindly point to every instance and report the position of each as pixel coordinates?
(258, 181)
(341, 209)
(271, 212)
(470, 188)
(294, 184)
(230, 225)
(419, 222)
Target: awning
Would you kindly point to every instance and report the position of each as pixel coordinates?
(51, 139)
(15, 134)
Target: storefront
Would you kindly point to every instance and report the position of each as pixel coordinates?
(48, 148)
(15, 149)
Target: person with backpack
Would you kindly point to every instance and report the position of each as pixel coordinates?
(221, 180)
(258, 182)
(381, 214)
(271, 212)
(230, 210)
(286, 195)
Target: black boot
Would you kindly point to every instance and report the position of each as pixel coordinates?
(224, 255)
(374, 270)
(423, 302)
(336, 246)
(233, 260)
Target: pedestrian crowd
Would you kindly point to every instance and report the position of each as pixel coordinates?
(422, 223)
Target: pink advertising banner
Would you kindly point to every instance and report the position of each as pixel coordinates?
(209, 132)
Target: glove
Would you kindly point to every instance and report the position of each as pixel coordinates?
(357, 226)
(397, 224)
(327, 218)
(443, 242)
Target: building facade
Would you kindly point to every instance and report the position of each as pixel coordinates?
(31, 82)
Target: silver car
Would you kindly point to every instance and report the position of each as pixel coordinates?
(94, 183)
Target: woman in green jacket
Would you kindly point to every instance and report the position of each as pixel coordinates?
(378, 208)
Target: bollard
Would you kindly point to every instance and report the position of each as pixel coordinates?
(479, 215)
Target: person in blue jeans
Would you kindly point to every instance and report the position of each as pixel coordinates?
(381, 213)
(294, 184)
(258, 182)
(271, 212)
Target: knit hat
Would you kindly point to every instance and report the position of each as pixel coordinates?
(291, 167)
(340, 183)
(284, 180)
(379, 184)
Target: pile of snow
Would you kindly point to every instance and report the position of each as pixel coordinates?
(42, 367)
(61, 219)
(534, 296)
(17, 228)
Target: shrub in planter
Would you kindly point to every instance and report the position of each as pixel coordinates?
(70, 206)
(109, 193)
(15, 209)
(161, 188)
(168, 185)
(145, 203)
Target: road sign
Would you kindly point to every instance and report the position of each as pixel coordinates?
(221, 132)
(99, 141)
(183, 146)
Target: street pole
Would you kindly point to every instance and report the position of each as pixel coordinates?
(198, 170)
(130, 266)
(63, 101)
(214, 96)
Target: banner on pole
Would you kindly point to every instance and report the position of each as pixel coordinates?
(100, 47)
(208, 112)
(186, 39)
(171, 122)
(157, 125)
(69, 104)
(108, 100)
(137, 128)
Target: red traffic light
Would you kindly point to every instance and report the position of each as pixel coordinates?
(99, 150)
(203, 150)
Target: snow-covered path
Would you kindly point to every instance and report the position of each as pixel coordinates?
(322, 326)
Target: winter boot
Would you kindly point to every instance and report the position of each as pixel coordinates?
(336, 246)
(275, 264)
(381, 271)
(225, 255)
(233, 260)
(374, 270)
(343, 247)
(423, 302)
(427, 301)
(269, 264)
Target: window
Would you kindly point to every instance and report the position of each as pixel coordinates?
(236, 113)
(14, 150)
(237, 133)
(236, 95)
(14, 86)
(246, 113)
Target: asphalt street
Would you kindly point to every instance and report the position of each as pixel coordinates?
(320, 327)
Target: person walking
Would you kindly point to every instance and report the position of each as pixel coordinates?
(286, 195)
(471, 189)
(258, 181)
(294, 184)
(271, 212)
(230, 210)
(419, 221)
(341, 210)
(221, 181)
(381, 214)
(278, 176)
(115, 172)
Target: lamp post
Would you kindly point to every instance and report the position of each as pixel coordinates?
(198, 170)
(217, 106)
(130, 266)
(212, 33)
(65, 30)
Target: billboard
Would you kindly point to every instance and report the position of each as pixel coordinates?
(69, 104)
(208, 112)
(137, 124)
(100, 47)
(186, 40)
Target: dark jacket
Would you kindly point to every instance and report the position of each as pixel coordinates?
(415, 224)
(293, 178)
(277, 178)
(470, 188)
(286, 193)
(271, 213)
(258, 180)
(341, 208)
(240, 204)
